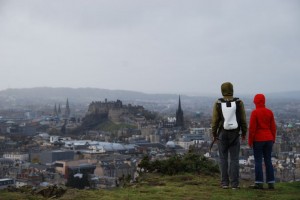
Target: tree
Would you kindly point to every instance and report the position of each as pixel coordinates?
(78, 180)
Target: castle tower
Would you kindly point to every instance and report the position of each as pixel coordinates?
(179, 115)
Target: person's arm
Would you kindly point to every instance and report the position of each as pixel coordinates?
(273, 127)
(252, 128)
(244, 126)
(215, 121)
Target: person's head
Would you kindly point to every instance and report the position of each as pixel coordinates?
(259, 100)
(227, 89)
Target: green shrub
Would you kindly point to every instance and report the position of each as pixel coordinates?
(176, 164)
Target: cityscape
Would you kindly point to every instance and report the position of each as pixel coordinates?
(115, 99)
(49, 144)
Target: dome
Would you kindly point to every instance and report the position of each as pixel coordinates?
(170, 144)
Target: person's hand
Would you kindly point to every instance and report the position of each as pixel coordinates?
(243, 138)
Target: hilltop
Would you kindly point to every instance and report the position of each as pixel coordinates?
(178, 187)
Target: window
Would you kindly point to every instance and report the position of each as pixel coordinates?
(59, 165)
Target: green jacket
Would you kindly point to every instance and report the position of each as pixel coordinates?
(217, 120)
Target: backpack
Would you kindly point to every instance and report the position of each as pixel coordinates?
(229, 110)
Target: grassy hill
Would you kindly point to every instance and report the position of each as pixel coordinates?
(112, 127)
(179, 187)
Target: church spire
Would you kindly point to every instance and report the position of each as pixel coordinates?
(55, 111)
(67, 111)
(59, 110)
(179, 115)
(179, 104)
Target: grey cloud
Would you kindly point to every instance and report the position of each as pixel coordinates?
(151, 46)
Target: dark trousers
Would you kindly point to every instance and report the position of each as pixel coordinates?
(229, 150)
(263, 150)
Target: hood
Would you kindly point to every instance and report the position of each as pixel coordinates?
(259, 100)
(227, 89)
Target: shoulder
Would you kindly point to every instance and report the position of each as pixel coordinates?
(239, 101)
(216, 104)
(253, 113)
(269, 110)
(218, 101)
(254, 110)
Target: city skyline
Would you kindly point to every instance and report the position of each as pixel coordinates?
(188, 47)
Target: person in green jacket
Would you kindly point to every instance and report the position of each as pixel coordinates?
(228, 120)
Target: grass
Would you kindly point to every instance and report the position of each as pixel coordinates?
(111, 127)
(179, 187)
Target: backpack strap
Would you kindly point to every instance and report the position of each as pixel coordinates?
(219, 107)
(238, 111)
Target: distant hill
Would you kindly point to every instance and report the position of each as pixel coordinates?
(10, 98)
(79, 94)
(295, 95)
(48, 95)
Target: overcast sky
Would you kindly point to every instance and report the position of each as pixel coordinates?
(152, 46)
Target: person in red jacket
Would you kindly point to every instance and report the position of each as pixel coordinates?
(262, 134)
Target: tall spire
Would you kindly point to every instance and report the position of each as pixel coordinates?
(55, 111)
(179, 104)
(179, 115)
(59, 110)
(67, 112)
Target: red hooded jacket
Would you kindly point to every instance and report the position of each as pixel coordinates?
(262, 125)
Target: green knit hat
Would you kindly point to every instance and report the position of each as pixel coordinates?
(227, 89)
